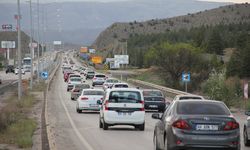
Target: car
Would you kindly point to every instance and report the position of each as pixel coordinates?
(122, 106)
(77, 89)
(109, 82)
(98, 79)
(66, 75)
(246, 130)
(203, 124)
(10, 69)
(17, 70)
(120, 85)
(88, 100)
(90, 74)
(66, 67)
(72, 81)
(189, 96)
(154, 100)
(73, 75)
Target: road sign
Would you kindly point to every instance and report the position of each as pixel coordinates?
(7, 26)
(8, 44)
(122, 59)
(96, 59)
(106, 67)
(84, 50)
(44, 75)
(186, 77)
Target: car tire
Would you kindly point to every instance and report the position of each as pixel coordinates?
(105, 125)
(246, 140)
(78, 110)
(100, 123)
(155, 143)
(140, 127)
(72, 98)
(93, 84)
(67, 90)
(166, 146)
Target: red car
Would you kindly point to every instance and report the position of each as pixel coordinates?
(66, 76)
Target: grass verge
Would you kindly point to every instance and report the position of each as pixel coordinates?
(15, 127)
(150, 76)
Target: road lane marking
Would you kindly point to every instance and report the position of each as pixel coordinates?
(82, 139)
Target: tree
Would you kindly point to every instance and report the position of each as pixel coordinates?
(215, 43)
(173, 59)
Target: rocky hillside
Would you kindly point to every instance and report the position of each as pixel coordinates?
(237, 13)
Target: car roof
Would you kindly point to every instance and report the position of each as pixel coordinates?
(188, 95)
(151, 90)
(93, 90)
(121, 83)
(124, 89)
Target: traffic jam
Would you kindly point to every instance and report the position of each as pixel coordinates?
(187, 121)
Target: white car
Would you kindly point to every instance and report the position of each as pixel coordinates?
(184, 97)
(72, 81)
(98, 79)
(119, 85)
(88, 100)
(122, 106)
(22, 70)
(109, 82)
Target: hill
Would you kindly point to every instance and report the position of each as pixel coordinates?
(82, 22)
(231, 14)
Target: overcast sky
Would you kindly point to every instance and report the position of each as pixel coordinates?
(49, 1)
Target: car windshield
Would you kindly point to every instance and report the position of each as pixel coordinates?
(75, 79)
(112, 81)
(121, 86)
(152, 93)
(93, 92)
(124, 97)
(202, 108)
(82, 86)
(195, 97)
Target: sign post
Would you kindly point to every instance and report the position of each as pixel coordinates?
(186, 79)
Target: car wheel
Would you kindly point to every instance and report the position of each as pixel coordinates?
(166, 146)
(100, 123)
(72, 98)
(93, 85)
(246, 140)
(141, 127)
(155, 143)
(105, 125)
(67, 90)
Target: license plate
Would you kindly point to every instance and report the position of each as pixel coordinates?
(205, 127)
(124, 113)
(153, 106)
(93, 105)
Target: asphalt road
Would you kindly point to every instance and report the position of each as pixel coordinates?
(81, 131)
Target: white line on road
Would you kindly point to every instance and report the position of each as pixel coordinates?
(83, 140)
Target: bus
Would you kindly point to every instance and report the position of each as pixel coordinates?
(26, 62)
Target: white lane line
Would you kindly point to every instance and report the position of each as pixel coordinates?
(82, 139)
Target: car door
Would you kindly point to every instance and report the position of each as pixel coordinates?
(160, 128)
(248, 126)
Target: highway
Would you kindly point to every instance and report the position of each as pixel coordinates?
(71, 130)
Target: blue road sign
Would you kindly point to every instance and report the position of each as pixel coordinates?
(186, 77)
(44, 75)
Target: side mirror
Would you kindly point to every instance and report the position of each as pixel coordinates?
(138, 87)
(99, 102)
(247, 113)
(156, 116)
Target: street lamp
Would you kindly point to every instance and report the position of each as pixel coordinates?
(38, 42)
(19, 50)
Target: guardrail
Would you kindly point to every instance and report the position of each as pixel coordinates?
(168, 92)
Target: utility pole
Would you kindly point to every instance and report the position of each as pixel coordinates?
(38, 43)
(19, 50)
(31, 47)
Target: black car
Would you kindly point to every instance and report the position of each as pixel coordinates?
(154, 100)
(196, 124)
(246, 130)
(10, 69)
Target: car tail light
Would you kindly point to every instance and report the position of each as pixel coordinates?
(106, 105)
(94, 78)
(231, 125)
(142, 109)
(181, 124)
(84, 98)
(75, 90)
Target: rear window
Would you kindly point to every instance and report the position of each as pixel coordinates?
(91, 72)
(202, 108)
(100, 76)
(152, 93)
(75, 75)
(75, 79)
(183, 98)
(93, 93)
(83, 86)
(112, 81)
(121, 86)
(125, 97)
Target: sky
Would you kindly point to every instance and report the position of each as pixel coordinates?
(49, 1)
